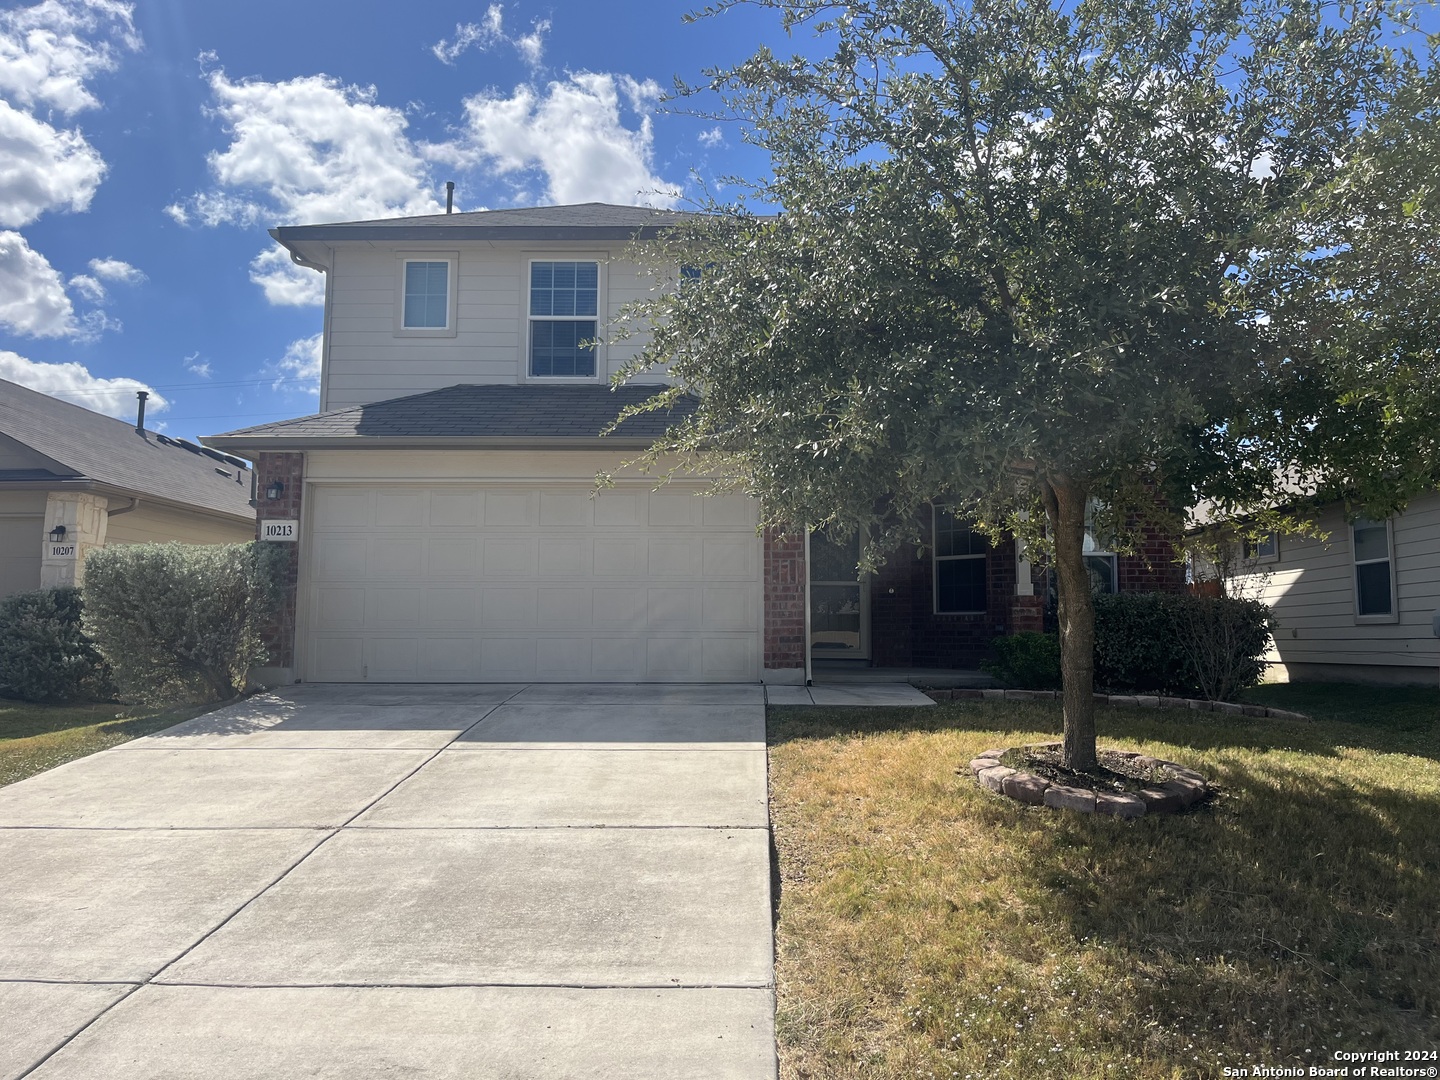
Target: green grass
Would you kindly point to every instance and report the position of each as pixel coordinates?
(34, 738)
(928, 928)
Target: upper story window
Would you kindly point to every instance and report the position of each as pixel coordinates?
(1374, 581)
(960, 558)
(426, 305)
(564, 305)
(1263, 549)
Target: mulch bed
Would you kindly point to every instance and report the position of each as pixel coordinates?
(1125, 785)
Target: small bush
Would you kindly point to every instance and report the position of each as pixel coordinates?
(1180, 644)
(179, 622)
(44, 652)
(1028, 661)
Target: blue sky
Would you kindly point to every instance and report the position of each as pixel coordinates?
(145, 149)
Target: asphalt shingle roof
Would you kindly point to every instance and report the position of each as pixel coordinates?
(601, 220)
(484, 411)
(109, 451)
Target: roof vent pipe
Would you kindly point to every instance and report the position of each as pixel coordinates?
(140, 417)
(449, 196)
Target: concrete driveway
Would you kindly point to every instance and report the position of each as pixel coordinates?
(363, 881)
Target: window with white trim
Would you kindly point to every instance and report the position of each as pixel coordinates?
(1374, 582)
(425, 303)
(960, 556)
(1099, 559)
(564, 305)
(1263, 549)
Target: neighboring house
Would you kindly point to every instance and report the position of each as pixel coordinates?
(444, 497)
(1356, 605)
(72, 480)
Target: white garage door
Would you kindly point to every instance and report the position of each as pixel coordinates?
(493, 583)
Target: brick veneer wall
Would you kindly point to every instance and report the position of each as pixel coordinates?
(1154, 568)
(784, 599)
(905, 631)
(289, 469)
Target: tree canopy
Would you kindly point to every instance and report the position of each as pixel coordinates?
(1027, 257)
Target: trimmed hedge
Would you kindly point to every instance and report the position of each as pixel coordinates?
(1154, 643)
(180, 622)
(45, 654)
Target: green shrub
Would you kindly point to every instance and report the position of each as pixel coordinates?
(1153, 643)
(1027, 661)
(44, 652)
(1176, 643)
(179, 622)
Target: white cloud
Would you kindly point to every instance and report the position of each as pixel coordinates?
(73, 382)
(299, 368)
(490, 32)
(90, 288)
(531, 46)
(43, 169)
(575, 136)
(310, 149)
(117, 270)
(32, 293)
(713, 137)
(195, 365)
(49, 51)
(481, 35)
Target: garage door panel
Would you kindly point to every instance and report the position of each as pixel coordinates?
(343, 507)
(618, 557)
(451, 608)
(508, 608)
(728, 659)
(569, 510)
(672, 557)
(390, 609)
(562, 608)
(338, 659)
(394, 557)
(507, 659)
(338, 558)
(727, 607)
(400, 509)
(728, 557)
(619, 510)
(677, 608)
(392, 658)
(455, 509)
(507, 510)
(491, 582)
(452, 557)
(672, 659)
(619, 609)
(449, 659)
(507, 556)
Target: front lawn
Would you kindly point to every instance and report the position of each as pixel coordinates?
(930, 929)
(34, 738)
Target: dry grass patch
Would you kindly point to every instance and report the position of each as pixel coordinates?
(928, 928)
(34, 737)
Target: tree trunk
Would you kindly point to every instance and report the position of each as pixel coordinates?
(1065, 508)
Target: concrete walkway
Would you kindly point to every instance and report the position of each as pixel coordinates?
(364, 881)
(848, 695)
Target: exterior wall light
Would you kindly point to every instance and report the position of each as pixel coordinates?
(57, 534)
(275, 490)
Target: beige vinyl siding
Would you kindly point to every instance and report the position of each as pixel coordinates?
(150, 524)
(22, 531)
(368, 362)
(1311, 588)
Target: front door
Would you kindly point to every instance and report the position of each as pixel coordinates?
(839, 600)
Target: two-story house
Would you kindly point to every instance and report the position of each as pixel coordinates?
(446, 523)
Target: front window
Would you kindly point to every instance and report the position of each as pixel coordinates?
(564, 301)
(1099, 559)
(960, 558)
(1373, 593)
(427, 295)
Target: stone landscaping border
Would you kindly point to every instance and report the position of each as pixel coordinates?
(1148, 701)
(1184, 788)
